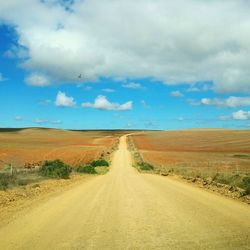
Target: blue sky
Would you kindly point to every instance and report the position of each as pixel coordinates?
(142, 77)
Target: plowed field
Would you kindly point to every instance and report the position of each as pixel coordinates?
(217, 149)
(33, 145)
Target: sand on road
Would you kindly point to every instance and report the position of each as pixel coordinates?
(127, 210)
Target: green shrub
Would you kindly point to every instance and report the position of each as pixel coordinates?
(145, 166)
(23, 182)
(4, 184)
(101, 170)
(55, 169)
(86, 169)
(100, 163)
(246, 184)
(6, 180)
(221, 178)
(242, 156)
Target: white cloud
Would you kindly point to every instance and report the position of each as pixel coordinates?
(193, 89)
(44, 121)
(181, 119)
(108, 90)
(231, 102)
(19, 118)
(62, 100)
(16, 52)
(172, 41)
(132, 85)
(56, 122)
(241, 115)
(201, 88)
(102, 103)
(40, 121)
(206, 87)
(214, 101)
(176, 94)
(38, 80)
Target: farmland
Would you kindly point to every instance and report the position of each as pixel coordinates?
(223, 150)
(108, 212)
(215, 159)
(20, 147)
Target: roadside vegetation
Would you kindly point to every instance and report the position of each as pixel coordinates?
(95, 167)
(86, 169)
(235, 183)
(53, 169)
(19, 177)
(231, 181)
(100, 163)
(144, 166)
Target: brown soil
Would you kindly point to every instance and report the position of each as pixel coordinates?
(74, 147)
(223, 150)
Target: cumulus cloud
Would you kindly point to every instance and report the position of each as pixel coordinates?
(200, 88)
(108, 90)
(62, 100)
(176, 94)
(16, 52)
(206, 87)
(241, 115)
(231, 102)
(102, 103)
(38, 80)
(132, 85)
(182, 41)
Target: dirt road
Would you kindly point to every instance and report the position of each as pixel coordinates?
(128, 210)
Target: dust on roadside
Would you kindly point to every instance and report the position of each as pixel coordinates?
(17, 200)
